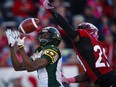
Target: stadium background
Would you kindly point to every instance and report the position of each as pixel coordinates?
(102, 13)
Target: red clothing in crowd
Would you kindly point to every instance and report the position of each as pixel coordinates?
(21, 8)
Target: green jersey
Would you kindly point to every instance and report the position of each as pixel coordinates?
(49, 76)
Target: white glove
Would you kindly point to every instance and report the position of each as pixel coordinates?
(16, 36)
(46, 4)
(11, 40)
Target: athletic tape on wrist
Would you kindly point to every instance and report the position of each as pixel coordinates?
(20, 46)
(10, 45)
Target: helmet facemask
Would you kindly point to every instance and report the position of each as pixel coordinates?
(44, 38)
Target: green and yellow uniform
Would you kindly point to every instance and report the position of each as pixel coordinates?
(49, 76)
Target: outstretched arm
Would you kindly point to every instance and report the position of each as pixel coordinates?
(77, 79)
(64, 24)
(81, 78)
(32, 65)
(29, 64)
(18, 66)
(11, 42)
(60, 20)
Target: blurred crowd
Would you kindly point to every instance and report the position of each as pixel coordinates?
(101, 13)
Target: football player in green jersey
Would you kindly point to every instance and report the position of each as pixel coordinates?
(46, 59)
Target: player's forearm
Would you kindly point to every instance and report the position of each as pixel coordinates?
(16, 64)
(64, 24)
(81, 78)
(28, 63)
(78, 79)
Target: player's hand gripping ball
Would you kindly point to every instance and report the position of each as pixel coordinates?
(29, 25)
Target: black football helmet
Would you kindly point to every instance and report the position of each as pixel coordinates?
(90, 28)
(49, 36)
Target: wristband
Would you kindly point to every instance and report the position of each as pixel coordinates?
(20, 46)
(72, 80)
(10, 45)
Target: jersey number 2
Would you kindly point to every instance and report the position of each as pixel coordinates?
(99, 62)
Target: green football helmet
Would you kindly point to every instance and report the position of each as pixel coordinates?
(49, 36)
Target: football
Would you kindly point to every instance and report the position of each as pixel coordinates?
(29, 25)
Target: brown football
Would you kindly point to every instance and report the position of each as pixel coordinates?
(29, 25)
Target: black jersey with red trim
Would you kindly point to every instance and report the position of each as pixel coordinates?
(91, 53)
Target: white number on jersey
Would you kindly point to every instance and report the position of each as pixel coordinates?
(99, 62)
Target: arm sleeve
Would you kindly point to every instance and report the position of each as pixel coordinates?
(64, 24)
